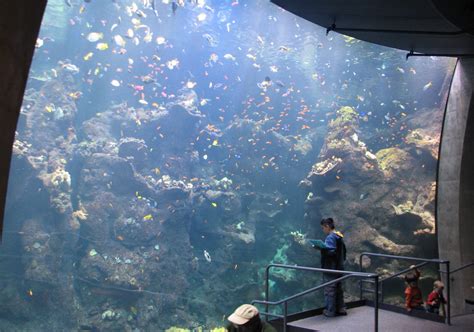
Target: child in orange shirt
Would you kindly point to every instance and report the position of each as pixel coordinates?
(413, 296)
(436, 299)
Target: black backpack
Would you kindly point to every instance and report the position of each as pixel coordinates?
(341, 253)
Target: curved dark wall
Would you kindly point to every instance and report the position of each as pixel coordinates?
(20, 22)
(466, 204)
(456, 184)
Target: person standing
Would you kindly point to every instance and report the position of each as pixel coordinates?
(436, 300)
(333, 255)
(413, 295)
(246, 318)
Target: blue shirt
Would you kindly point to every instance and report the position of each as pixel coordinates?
(330, 241)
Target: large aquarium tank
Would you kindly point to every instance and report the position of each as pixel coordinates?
(168, 151)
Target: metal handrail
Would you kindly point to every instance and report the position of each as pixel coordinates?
(424, 261)
(403, 272)
(459, 268)
(346, 275)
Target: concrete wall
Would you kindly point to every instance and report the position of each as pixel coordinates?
(456, 184)
(20, 21)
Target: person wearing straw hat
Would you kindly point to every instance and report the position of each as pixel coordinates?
(246, 318)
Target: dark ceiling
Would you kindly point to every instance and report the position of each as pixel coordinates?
(421, 26)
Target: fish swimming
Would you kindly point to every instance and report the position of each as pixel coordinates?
(95, 36)
(427, 86)
(207, 256)
(153, 7)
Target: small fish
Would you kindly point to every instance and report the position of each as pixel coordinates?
(401, 70)
(427, 86)
(250, 56)
(207, 256)
(115, 83)
(102, 46)
(30, 292)
(160, 40)
(39, 42)
(172, 64)
(119, 41)
(201, 17)
(136, 22)
(174, 7)
(148, 217)
(153, 6)
(130, 34)
(148, 37)
(140, 13)
(190, 84)
(229, 57)
(211, 40)
(214, 204)
(71, 67)
(95, 36)
(49, 108)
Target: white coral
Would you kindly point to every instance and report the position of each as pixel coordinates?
(60, 176)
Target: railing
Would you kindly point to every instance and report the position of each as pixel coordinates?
(422, 262)
(465, 266)
(450, 273)
(345, 275)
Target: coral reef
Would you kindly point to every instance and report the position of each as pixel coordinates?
(422, 139)
(143, 218)
(374, 214)
(393, 160)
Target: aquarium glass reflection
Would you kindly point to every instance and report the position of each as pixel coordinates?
(167, 151)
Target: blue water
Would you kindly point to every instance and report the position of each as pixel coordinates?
(94, 235)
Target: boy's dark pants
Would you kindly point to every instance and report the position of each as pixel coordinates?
(333, 294)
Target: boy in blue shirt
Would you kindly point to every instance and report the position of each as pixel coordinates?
(333, 255)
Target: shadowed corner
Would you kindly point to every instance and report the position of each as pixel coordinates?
(21, 21)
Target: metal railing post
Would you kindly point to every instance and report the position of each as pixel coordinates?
(448, 294)
(285, 314)
(267, 290)
(361, 280)
(381, 293)
(376, 303)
